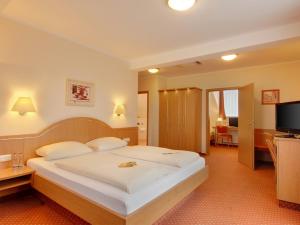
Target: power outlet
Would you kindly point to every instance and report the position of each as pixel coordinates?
(5, 158)
(127, 139)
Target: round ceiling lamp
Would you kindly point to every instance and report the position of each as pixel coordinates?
(181, 5)
(229, 57)
(153, 70)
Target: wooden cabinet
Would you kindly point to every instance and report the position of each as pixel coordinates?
(288, 169)
(13, 180)
(180, 119)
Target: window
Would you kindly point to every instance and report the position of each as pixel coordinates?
(231, 103)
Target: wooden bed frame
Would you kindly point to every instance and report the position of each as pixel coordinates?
(85, 129)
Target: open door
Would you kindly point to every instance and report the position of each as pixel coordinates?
(246, 125)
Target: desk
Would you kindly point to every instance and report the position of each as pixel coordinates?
(234, 131)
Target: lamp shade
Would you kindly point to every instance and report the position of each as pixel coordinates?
(23, 105)
(119, 110)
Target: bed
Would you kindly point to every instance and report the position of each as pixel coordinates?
(97, 202)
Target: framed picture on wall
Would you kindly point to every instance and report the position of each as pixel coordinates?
(270, 97)
(80, 93)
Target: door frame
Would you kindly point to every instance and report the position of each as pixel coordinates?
(207, 113)
(146, 92)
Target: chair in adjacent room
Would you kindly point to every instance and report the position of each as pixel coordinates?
(223, 136)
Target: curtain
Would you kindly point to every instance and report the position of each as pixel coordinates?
(231, 103)
(222, 113)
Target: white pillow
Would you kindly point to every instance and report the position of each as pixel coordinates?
(63, 150)
(106, 143)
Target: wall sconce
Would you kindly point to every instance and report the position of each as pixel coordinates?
(119, 110)
(23, 105)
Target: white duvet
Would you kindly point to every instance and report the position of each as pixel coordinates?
(105, 168)
(165, 156)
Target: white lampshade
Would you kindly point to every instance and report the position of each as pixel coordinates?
(23, 105)
(119, 110)
(229, 57)
(181, 5)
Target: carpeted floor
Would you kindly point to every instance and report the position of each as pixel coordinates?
(233, 195)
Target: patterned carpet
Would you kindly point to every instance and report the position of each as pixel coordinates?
(233, 195)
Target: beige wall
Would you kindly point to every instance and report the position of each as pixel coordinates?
(37, 64)
(285, 76)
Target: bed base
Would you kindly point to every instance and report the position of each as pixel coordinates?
(97, 214)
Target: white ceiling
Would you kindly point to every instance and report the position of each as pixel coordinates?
(132, 29)
(276, 53)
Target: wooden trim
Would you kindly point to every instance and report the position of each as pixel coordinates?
(97, 214)
(223, 89)
(146, 92)
(81, 129)
(178, 89)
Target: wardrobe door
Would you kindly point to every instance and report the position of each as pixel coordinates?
(181, 105)
(173, 129)
(163, 119)
(193, 120)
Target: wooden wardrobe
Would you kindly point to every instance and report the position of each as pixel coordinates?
(180, 119)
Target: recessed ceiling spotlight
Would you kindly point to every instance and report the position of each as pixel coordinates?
(181, 5)
(229, 57)
(153, 70)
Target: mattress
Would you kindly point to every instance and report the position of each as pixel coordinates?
(107, 195)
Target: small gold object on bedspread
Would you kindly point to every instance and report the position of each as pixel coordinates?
(127, 164)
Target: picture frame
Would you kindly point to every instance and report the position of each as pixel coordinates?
(80, 93)
(270, 97)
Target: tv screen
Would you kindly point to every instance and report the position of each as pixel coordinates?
(288, 117)
(233, 121)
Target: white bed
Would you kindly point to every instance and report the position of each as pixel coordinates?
(107, 195)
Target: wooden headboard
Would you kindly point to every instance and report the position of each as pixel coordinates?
(80, 129)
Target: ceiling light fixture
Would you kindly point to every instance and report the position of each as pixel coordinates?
(229, 57)
(153, 70)
(181, 5)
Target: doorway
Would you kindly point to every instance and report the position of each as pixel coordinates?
(142, 117)
(242, 121)
(222, 117)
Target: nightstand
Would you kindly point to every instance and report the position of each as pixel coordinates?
(13, 180)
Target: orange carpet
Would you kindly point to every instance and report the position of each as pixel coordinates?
(233, 195)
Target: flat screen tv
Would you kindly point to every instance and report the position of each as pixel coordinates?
(288, 117)
(233, 121)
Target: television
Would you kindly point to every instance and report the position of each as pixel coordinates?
(288, 117)
(233, 121)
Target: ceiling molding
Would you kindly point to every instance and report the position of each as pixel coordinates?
(211, 49)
